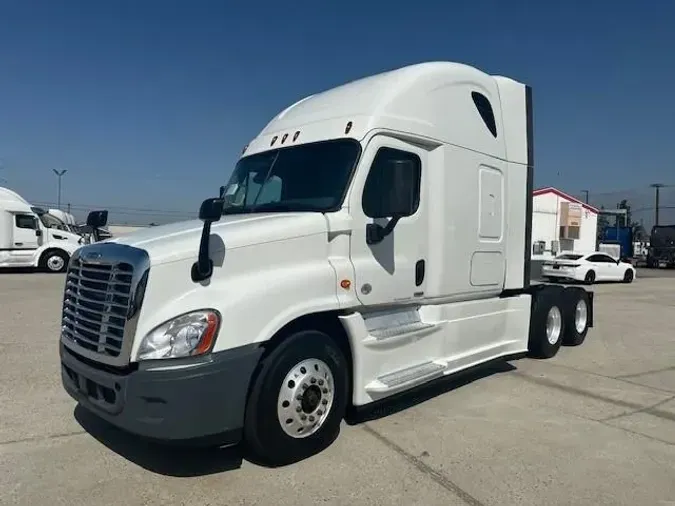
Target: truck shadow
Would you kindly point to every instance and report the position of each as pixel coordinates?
(161, 459)
(183, 462)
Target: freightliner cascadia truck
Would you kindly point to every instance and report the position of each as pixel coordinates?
(372, 238)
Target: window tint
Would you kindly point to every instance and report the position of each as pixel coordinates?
(601, 258)
(485, 110)
(569, 256)
(25, 221)
(379, 181)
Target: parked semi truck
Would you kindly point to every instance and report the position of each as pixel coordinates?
(31, 237)
(662, 246)
(372, 238)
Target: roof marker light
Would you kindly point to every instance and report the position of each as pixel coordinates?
(283, 139)
(274, 139)
(295, 135)
(348, 127)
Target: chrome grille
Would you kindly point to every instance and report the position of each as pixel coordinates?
(105, 285)
(96, 305)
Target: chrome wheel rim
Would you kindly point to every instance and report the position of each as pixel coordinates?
(305, 398)
(581, 316)
(553, 325)
(55, 263)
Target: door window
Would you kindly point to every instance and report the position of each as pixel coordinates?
(25, 221)
(379, 182)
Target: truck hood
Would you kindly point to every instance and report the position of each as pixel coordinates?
(178, 241)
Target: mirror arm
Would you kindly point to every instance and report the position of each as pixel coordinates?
(203, 267)
(376, 233)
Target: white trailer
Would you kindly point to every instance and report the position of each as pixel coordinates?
(372, 238)
(28, 239)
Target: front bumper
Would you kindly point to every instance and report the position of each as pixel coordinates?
(202, 401)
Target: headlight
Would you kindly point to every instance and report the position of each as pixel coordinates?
(187, 335)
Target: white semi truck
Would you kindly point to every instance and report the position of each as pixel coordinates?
(371, 238)
(31, 237)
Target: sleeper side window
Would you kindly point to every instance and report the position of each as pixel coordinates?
(484, 107)
(379, 190)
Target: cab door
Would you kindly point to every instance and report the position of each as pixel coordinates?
(389, 259)
(26, 233)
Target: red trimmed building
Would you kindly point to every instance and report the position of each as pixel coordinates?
(561, 222)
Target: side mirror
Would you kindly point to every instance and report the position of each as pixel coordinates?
(38, 233)
(401, 179)
(211, 209)
(97, 219)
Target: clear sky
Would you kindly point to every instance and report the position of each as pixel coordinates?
(148, 103)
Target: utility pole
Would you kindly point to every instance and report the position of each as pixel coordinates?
(59, 175)
(585, 192)
(657, 187)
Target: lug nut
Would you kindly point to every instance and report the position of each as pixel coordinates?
(325, 390)
(319, 412)
(324, 401)
(313, 380)
(298, 409)
(311, 418)
(303, 417)
(298, 397)
(305, 385)
(320, 382)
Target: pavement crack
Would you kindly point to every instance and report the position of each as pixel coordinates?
(636, 375)
(424, 468)
(32, 439)
(633, 406)
(623, 379)
(648, 409)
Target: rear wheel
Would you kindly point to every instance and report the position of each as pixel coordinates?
(628, 276)
(577, 315)
(589, 279)
(297, 400)
(547, 324)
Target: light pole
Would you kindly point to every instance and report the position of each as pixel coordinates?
(656, 187)
(585, 192)
(59, 174)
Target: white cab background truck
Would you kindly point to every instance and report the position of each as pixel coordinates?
(32, 239)
(371, 238)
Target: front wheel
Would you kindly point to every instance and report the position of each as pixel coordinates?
(54, 261)
(628, 276)
(297, 400)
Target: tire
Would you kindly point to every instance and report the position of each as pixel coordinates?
(577, 314)
(548, 301)
(54, 261)
(628, 276)
(278, 399)
(589, 279)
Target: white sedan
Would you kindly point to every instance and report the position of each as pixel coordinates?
(588, 268)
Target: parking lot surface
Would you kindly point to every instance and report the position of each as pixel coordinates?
(595, 425)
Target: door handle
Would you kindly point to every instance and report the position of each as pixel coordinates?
(419, 272)
(18, 244)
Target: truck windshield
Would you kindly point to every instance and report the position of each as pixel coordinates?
(307, 177)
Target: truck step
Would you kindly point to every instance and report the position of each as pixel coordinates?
(385, 325)
(407, 377)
